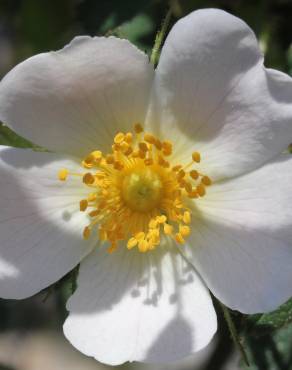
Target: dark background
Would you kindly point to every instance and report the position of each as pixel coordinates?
(28, 27)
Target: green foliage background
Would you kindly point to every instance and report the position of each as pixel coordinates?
(28, 27)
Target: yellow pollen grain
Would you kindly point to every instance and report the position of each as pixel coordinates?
(196, 157)
(63, 174)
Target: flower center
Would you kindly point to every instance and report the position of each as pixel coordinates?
(135, 194)
(142, 189)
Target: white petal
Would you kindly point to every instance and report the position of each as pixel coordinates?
(40, 224)
(242, 240)
(131, 306)
(74, 100)
(212, 94)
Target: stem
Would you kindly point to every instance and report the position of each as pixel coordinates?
(234, 334)
(160, 37)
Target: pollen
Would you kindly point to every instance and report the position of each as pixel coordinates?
(137, 194)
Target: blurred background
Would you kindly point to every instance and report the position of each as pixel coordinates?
(31, 330)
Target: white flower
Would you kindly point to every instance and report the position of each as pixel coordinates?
(210, 107)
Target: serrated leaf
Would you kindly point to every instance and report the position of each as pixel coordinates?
(277, 319)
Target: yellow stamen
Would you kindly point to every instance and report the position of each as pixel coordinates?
(137, 195)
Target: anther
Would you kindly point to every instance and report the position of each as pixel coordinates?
(63, 174)
(158, 144)
(118, 166)
(132, 242)
(128, 138)
(201, 190)
(184, 230)
(196, 157)
(206, 180)
(167, 148)
(88, 178)
(148, 161)
(138, 128)
(143, 245)
(96, 155)
(187, 217)
(188, 187)
(149, 138)
(142, 154)
(168, 229)
(176, 168)
(83, 205)
(179, 238)
(181, 174)
(86, 233)
(143, 146)
(110, 159)
(194, 174)
(91, 197)
(119, 138)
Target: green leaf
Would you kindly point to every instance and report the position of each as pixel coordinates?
(271, 351)
(263, 323)
(10, 138)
